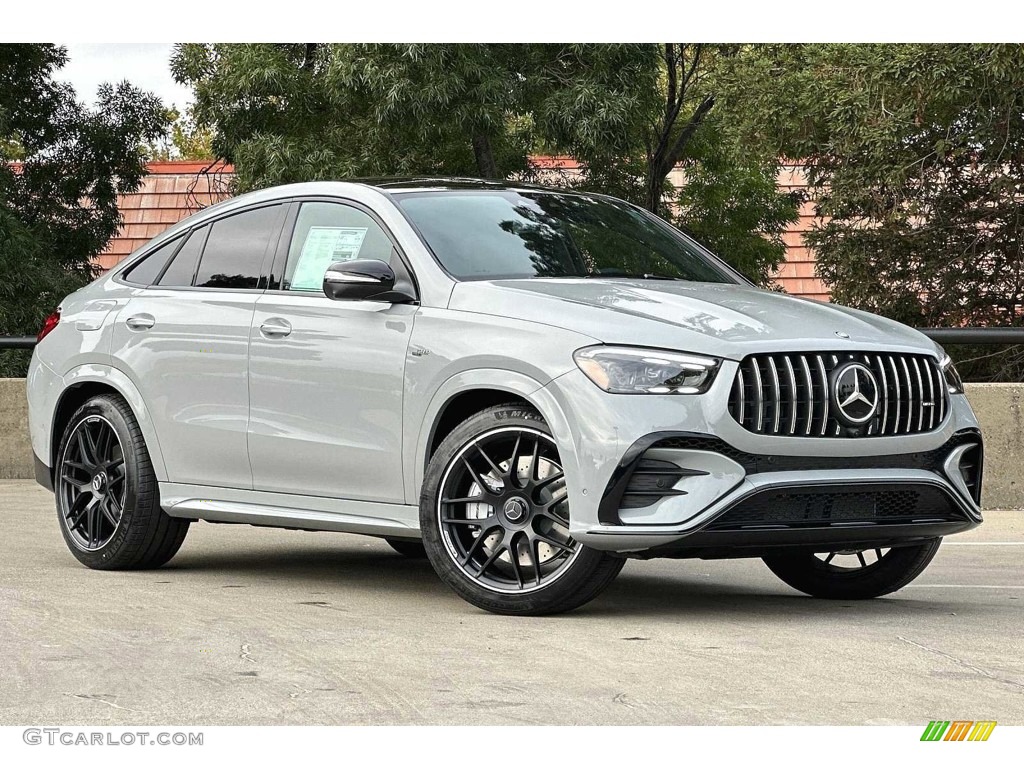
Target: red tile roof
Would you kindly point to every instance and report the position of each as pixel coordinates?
(175, 189)
(170, 192)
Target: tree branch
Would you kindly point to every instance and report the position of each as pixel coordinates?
(672, 157)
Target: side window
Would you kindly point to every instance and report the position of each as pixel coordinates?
(179, 273)
(147, 270)
(235, 249)
(329, 232)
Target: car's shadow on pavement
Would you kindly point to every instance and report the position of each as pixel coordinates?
(639, 594)
(634, 593)
(316, 568)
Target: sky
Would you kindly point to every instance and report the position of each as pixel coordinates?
(145, 65)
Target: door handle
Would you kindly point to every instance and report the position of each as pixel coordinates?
(140, 322)
(276, 328)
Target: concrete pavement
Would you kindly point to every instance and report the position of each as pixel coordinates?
(260, 626)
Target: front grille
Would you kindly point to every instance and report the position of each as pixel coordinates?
(791, 394)
(816, 507)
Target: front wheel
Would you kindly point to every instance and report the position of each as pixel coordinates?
(855, 574)
(494, 514)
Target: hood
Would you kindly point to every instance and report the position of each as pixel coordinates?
(729, 321)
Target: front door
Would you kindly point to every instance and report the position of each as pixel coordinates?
(327, 378)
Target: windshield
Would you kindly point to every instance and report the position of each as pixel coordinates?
(489, 234)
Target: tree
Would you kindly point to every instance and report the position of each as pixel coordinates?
(728, 198)
(915, 154)
(186, 140)
(62, 167)
(629, 113)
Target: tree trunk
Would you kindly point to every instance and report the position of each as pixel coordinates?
(669, 152)
(655, 188)
(485, 165)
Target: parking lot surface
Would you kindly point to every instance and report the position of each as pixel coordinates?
(261, 626)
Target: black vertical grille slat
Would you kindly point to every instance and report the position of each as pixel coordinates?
(794, 399)
(808, 396)
(788, 394)
(822, 393)
(758, 381)
(897, 395)
(883, 378)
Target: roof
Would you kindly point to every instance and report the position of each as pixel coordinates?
(429, 183)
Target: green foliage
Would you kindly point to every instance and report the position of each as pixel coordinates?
(186, 141)
(916, 157)
(58, 205)
(629, 113)
(731, 202)
(916, 154)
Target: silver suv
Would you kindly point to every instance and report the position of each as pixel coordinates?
(526, 385)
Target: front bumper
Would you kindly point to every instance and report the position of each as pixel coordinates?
(671, 474)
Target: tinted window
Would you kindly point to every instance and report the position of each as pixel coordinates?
(505, 233)
(146, 272)
(330, 232)
(181, 271)
(234, 251)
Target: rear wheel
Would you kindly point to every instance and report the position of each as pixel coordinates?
(855, 574)
(108, 503)
(494, 513)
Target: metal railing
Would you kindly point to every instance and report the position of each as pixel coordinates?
(975, 335)
(17, 342)
(941, 335)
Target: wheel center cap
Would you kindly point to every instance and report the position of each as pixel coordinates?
(99, 482)
(516, 509)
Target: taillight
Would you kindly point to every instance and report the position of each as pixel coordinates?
(48, 325)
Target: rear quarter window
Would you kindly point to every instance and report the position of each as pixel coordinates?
(148, 268)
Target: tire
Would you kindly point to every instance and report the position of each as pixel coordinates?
(142, 535)
(519, 559)
(892, 570)
(408, 548)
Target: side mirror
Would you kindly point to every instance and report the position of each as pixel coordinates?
(359, 280)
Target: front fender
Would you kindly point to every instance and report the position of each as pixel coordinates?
(514, 383)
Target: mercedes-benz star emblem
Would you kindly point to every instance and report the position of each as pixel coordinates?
(854, 394)
(515, 509)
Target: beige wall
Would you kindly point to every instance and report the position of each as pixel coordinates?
(999, 409)
(15, 450)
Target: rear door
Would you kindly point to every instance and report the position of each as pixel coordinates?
(327, 377)
(184, 341)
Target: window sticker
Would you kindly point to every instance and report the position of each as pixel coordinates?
(324, 246)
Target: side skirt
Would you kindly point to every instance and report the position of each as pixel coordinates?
(284, 510)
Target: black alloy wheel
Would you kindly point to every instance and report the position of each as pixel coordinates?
(91, 486)
(495, 514)
(107, 494)
(503, 511)
(853, 574)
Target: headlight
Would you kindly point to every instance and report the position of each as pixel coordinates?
(634, 371)
(953, 380)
